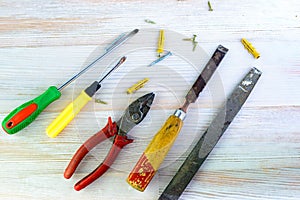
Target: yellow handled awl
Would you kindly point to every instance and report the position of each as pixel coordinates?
(153, 156)
(68, 114)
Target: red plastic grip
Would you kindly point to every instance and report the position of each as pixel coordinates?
(108, 131)
(119, 143)
(20, 116)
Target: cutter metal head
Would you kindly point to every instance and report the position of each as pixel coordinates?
(135, 113)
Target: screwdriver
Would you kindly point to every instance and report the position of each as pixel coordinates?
(68, 114)
(157, 150)
(23, 115)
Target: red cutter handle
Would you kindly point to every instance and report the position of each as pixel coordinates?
(108, 131)
(119, 143)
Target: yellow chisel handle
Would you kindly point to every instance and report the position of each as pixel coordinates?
(68, 114)
(154, 155)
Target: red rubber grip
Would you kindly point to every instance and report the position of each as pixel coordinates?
(20, 116)
(108, 131)
(119, 143)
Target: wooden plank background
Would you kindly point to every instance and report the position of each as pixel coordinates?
(42, 43)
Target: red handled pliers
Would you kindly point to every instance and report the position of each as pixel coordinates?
(133, 115)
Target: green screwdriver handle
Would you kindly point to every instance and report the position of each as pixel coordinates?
(23, 115)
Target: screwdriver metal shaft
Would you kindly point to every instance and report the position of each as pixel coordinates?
(114, 46)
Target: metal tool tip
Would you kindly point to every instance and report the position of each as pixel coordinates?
(222, 48)
(150, 96)
(136, 30)
(257, 71)
(123, 59)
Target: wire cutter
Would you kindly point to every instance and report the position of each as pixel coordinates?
(133, 115)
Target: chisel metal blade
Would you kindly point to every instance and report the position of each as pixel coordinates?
(211, 136)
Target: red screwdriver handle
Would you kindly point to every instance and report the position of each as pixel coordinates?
(119, 143)
(108, 131)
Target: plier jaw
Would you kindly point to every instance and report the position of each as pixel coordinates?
(139, 108)
(135, 113)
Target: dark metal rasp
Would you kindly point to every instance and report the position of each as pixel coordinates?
(210, 137)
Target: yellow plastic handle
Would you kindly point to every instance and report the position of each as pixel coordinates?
(67, 115)
(154, 155)
(161, 42)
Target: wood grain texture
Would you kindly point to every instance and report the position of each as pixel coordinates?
(42, 43)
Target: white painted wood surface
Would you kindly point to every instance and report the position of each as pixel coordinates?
(43, 43)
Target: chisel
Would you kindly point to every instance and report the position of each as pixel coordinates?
(211, 136)
(26, 113)
(153, 156)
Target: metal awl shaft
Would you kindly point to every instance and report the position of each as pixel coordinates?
(121, 61)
